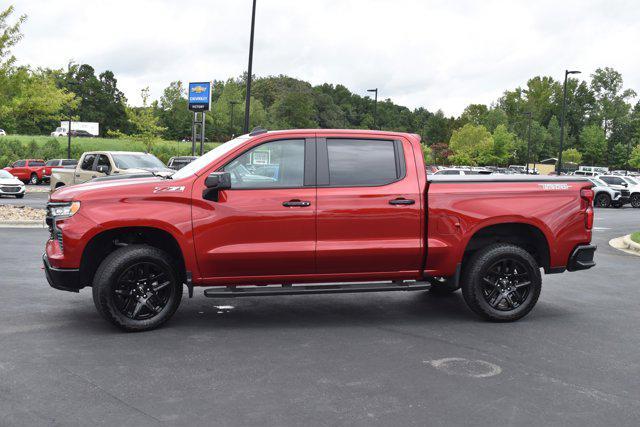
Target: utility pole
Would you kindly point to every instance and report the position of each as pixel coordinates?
(247, 106)
(375, 107)
(528, 114)
(564, 107)
(69, 138)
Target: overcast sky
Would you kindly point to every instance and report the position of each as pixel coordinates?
(440, 54)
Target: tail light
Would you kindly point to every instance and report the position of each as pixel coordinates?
(587, 195)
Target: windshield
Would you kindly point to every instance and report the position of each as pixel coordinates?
(137, 161)
(599, 182)
(4, 174)
(631, 181)
(207, 158)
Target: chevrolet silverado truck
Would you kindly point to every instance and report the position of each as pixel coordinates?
(348, 211)
(29, 171)
(96, 164)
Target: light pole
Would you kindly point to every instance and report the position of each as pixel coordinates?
(233, 105)
(248, 100)
(375, 107)
(564, 107)
(528, 114)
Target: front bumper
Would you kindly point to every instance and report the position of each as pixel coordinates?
(582, 258)
(12, 190)
(65, 279)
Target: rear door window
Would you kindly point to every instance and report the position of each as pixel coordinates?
(362, 162)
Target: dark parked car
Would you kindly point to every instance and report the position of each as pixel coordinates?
(81, 134)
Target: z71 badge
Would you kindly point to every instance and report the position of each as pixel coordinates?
(171, 189)
(555, 186)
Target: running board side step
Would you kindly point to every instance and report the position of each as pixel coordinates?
(263, 291)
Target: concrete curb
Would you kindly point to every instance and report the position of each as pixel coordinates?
(27, 223)
(625, 244)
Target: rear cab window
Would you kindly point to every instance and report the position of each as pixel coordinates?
(361, 162)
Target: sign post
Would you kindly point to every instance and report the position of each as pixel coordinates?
(199, 102)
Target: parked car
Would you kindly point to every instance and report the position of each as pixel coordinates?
(2, 132)
(347, 206)
(81, 134)
(10, 185)
(96, 164)
(30, 171)
(57, 163)
(630, 191)
(178, 162)
(604, 195)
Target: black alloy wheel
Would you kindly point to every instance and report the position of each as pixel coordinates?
(506, 284)
(143, 291)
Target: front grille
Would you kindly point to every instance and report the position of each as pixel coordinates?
(58, 235)
(10, 189)
(625, 193)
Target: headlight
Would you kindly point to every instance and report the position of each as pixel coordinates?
(65, 209)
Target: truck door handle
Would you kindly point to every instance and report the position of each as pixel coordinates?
(401, 201)
(78, 175)
(296, 203)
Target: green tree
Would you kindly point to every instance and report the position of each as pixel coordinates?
(572, 155)
(634, 159)
(607, 86)
(9, 35)
(144, 123)
(470, 144)
(595, 145)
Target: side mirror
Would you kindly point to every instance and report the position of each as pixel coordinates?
(624, 184)
(215, 182)
(103, 169)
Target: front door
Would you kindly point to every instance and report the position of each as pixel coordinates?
(87, 169)
(369, 207)
(264, 226)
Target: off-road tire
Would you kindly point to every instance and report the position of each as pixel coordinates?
(110, 270)
(474, 272)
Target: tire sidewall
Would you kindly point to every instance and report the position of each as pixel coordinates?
(472, 286)
(114, 265)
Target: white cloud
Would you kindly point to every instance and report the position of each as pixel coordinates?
(436, 54)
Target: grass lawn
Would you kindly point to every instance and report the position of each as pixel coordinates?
(636, 237)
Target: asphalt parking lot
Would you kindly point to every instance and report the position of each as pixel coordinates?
(361, 359)
(33, 200)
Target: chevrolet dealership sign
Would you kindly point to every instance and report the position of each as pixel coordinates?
(200, 96)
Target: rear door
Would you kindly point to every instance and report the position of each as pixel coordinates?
(264, 226)
(369, 207)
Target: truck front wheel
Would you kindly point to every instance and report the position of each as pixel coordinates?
(501, 282)
(137, 288)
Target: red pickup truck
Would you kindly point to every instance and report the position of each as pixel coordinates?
(336, 211)
(30, 171)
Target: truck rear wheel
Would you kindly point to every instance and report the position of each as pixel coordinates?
(137, 288)
(501, 282)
